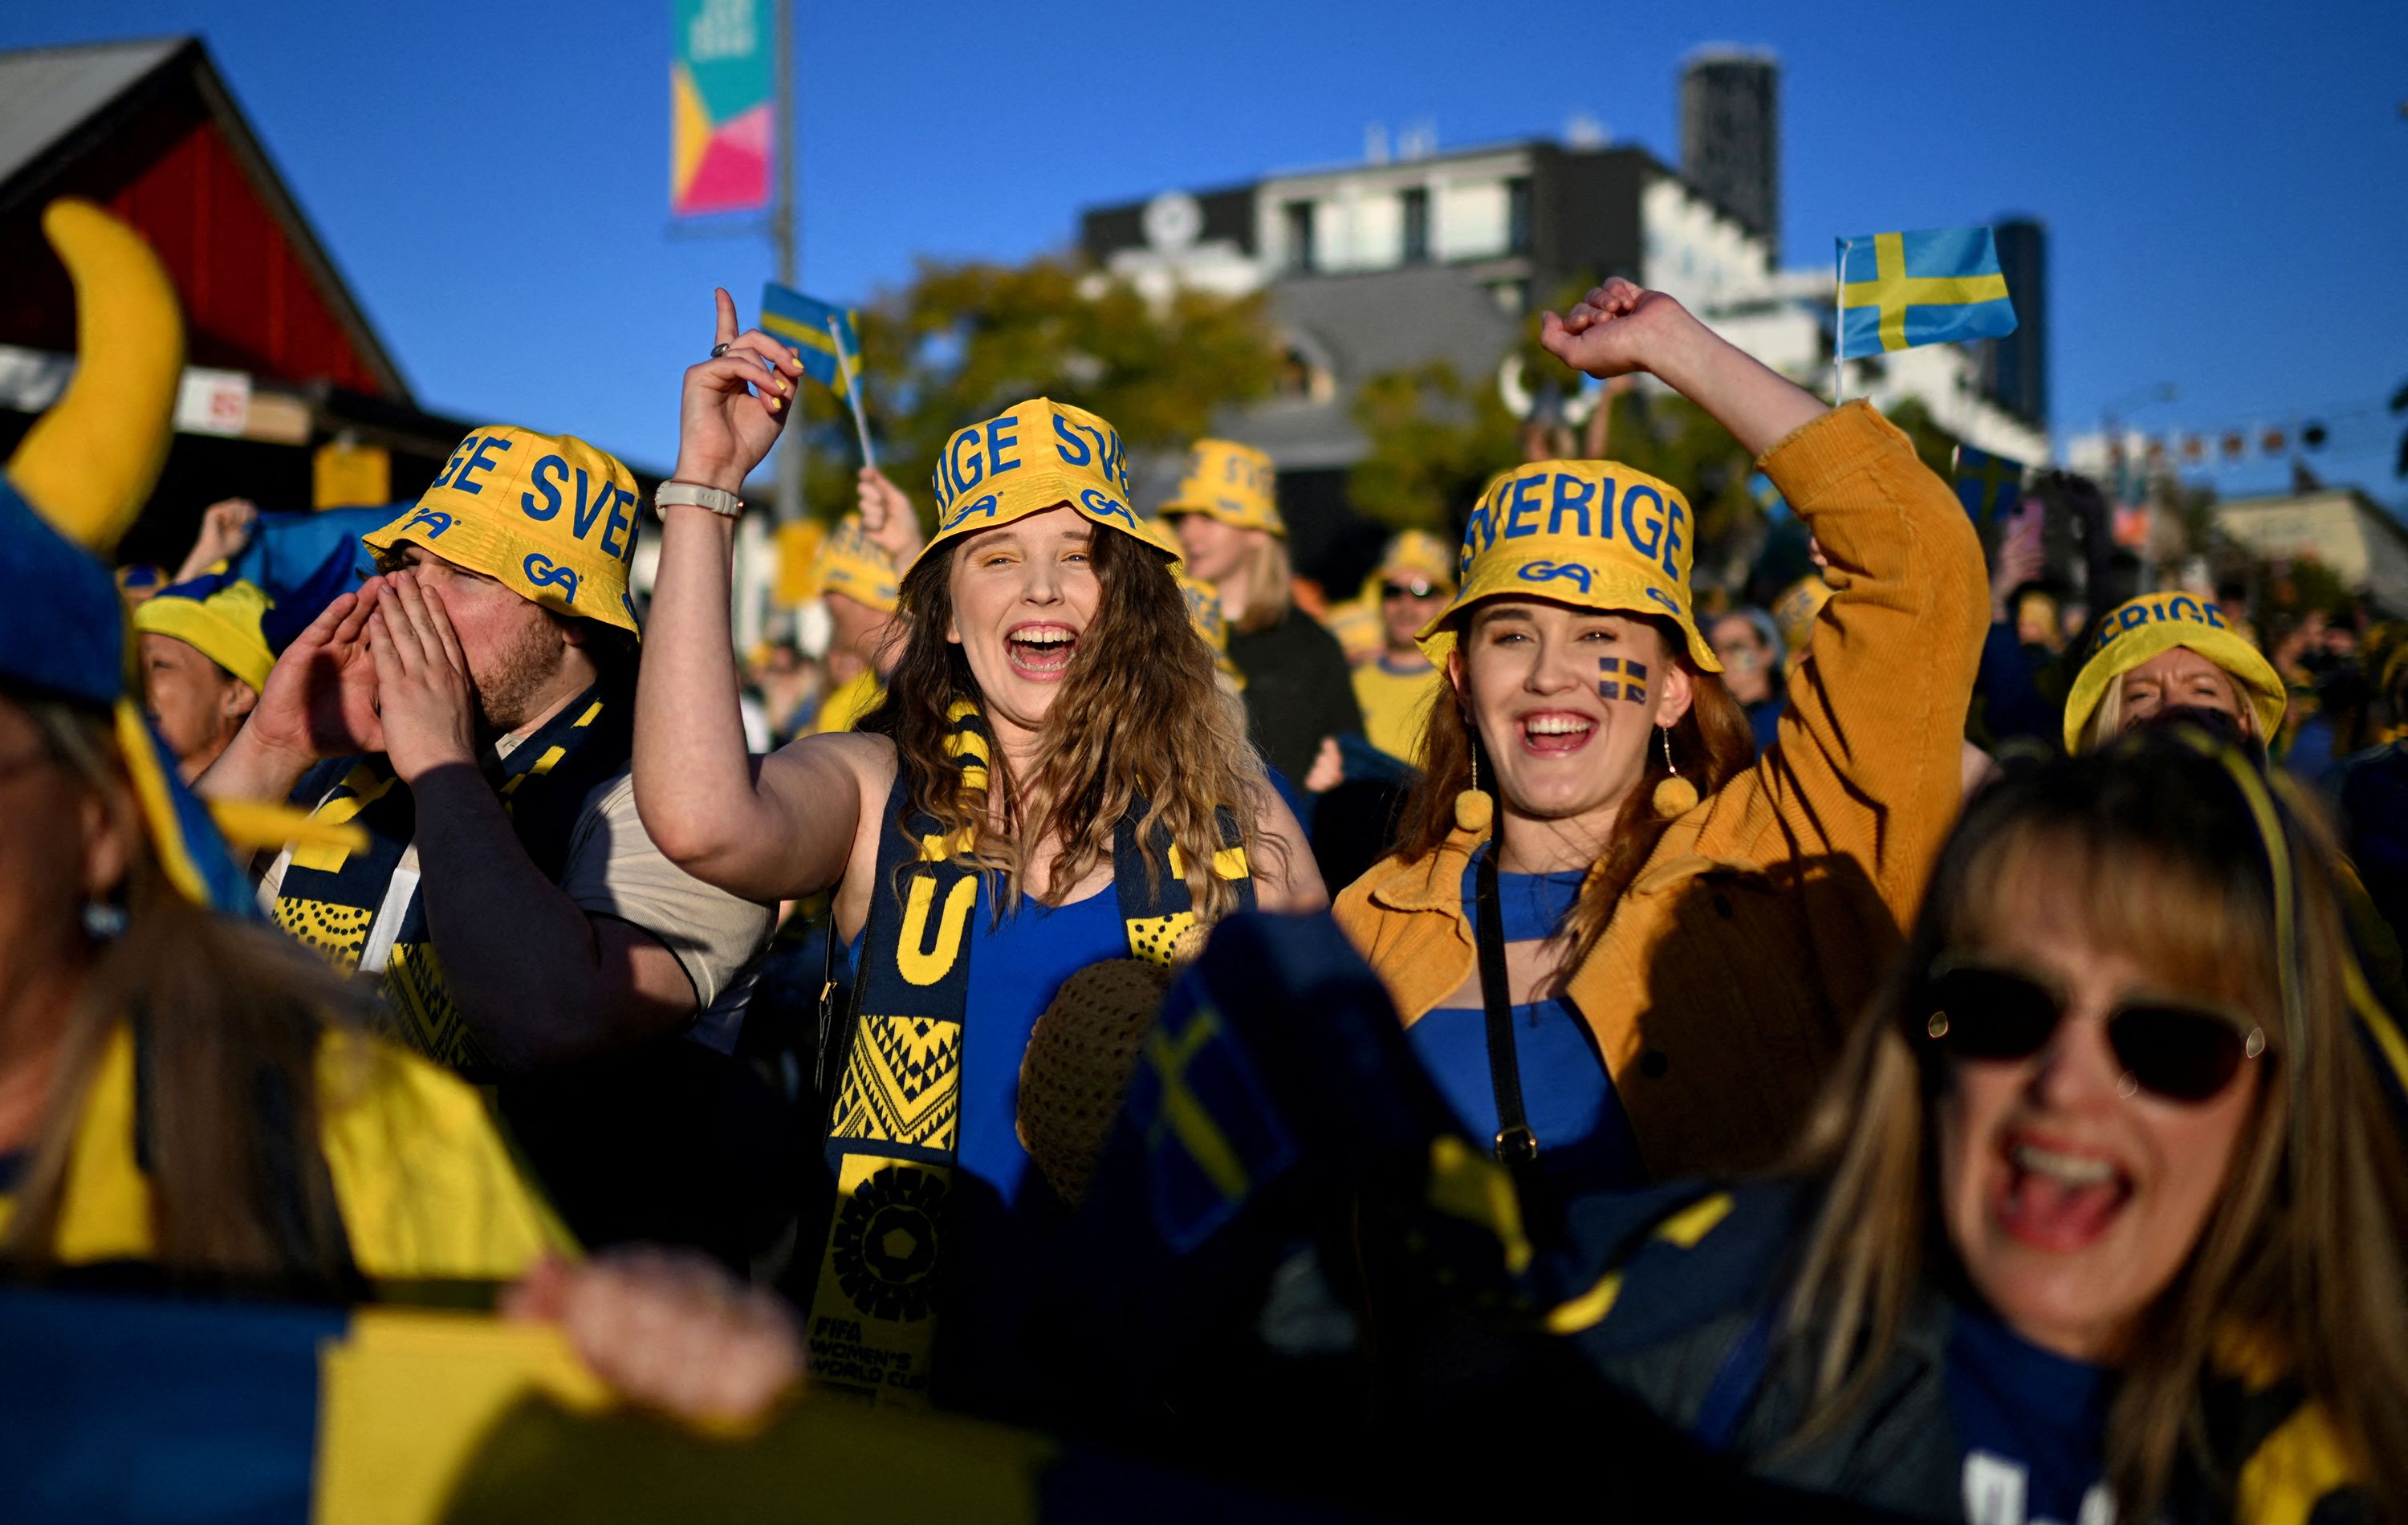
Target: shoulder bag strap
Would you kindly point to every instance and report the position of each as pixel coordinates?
(1516, 1146)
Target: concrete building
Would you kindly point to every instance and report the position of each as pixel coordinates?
(1383, 267)
(1730, 134)
(2015, 368)
(2345, 529)
(1389, 265)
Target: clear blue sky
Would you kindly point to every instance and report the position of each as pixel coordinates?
(2226, 187)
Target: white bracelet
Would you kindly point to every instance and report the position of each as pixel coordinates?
(694, 494)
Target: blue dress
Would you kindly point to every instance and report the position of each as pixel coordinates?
(1585, 1138)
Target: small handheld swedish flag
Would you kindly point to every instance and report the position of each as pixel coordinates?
(1900, 290)
(1988, 485)
(821, 331)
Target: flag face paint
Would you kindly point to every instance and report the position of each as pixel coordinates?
(1901, 289)
(723, 118)
(1624, 681)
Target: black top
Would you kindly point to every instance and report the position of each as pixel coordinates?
(1298, 690)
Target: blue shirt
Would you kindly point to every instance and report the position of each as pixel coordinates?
(2030, 1422)
(1584, 1137)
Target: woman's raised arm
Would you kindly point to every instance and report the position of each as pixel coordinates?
(1620, 327)
(783, 827)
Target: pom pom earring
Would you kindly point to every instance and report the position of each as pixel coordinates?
(1474, 811)
(1676, 795)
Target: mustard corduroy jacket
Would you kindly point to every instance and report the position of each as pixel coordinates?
(1723, 986)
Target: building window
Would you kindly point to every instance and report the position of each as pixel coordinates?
(1517, 215)
(1299, 235)
(1417, 242)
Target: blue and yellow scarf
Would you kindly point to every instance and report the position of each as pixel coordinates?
(896, 1121)
(364, 906)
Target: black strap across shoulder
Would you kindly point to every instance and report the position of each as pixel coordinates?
(1516, 1146)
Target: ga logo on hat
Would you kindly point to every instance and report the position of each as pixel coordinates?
(1595, 534)
(550, 517)
(1039, 454)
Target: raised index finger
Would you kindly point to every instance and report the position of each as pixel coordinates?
(727, 329)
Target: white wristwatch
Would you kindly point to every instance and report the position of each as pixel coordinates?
(724, 504)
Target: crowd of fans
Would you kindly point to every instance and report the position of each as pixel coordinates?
(1900, 1036)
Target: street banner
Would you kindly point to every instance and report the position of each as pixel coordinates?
(722, 116)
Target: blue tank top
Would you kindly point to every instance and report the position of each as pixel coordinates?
(2031, 1423)
(1017, 964)
(1000, 1218)
(1585, 1138)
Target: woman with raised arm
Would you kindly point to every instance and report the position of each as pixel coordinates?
(1624, 951)
(1053, 780)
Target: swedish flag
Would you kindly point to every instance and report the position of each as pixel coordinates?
(821, 330)
(1988, 485)
(1898, 290)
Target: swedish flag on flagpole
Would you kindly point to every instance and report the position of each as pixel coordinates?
(1900, 290)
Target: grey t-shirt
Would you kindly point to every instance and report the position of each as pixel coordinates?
(614, 870)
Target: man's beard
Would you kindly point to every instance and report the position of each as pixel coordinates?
(510, 694)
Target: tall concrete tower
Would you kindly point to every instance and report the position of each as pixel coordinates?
(1731, 132)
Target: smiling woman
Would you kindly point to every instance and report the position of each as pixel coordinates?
(1599, 915)
(2102, 1215)
(1054, 779)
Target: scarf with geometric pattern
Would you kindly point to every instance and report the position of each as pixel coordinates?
(896, 1122)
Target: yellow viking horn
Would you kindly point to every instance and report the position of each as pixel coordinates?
(89, 462)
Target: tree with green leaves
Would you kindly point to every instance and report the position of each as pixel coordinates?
(964, 341)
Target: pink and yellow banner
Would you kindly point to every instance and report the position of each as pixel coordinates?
(722, 116)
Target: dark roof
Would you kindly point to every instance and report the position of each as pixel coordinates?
(59, 104)
(1350, 324)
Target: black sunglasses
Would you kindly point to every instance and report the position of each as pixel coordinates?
(1406, 590)
(2180, 1052)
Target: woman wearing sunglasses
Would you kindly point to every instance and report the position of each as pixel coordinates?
(2109, 1218)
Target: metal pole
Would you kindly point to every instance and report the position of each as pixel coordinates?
(783, 236)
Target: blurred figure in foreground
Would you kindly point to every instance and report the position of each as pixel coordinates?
(2106, 1205)
(177, 1089)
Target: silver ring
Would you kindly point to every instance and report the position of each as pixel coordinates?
(718, 350)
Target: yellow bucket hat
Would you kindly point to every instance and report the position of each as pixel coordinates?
(2156, 622)
(1595, 534)
(1415, 555)
(1036, 455)
(550, 517)
(1232, 482)
(221, 623)
(849, 564)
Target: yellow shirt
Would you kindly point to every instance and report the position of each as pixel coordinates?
(848, 702)
(426, 1187)
(1395, 708)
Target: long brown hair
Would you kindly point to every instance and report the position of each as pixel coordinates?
(1712, 744)
(2302, 1255)
(1139, 716)
(231, 1018)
